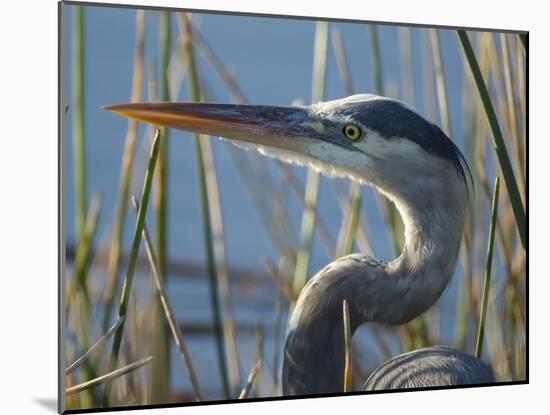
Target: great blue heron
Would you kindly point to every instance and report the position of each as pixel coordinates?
(380, 142)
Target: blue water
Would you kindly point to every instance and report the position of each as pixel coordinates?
(272, 61)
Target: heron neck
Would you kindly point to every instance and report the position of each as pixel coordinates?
(433, 229)
(388, 293)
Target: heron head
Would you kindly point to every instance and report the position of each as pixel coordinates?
(369, 138)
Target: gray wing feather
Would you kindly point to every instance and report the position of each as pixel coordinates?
(428, 367)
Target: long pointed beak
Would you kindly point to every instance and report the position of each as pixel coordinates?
(275, 126)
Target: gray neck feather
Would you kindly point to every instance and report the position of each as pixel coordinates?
(389, 293)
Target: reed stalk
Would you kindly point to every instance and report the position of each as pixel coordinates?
(161, 366)
(109, 377)
(259, 355)
(278, 228)
(350, 221)
(376, 59)
(521, 63)
(162, 196)
(342, 61)
(250, 380)
(488, 266)
(159, 283)
(228, 79)
(128, 281)
(498, 139)
(79, 140)
(240, 159)
(126, 172)
(96, 346)
(83, 253)
(222, 271)
(353, 220)
(440, 83)
(391, 214)
(462, 311)
(523, 41)
(284, 285)
(242, 163)
(312, 182)
(428, 76)
(348, 385)
(194, 92)
(78, 288)
(277, 339)
(406, 64)
(280, 240)
(511, 108)
(392, 217)
(361, 236)
(321, 227)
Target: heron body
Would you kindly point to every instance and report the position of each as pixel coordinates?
(379, 142)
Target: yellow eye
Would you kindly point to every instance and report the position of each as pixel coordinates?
(352, 132)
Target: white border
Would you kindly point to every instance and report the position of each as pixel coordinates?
(28, 215)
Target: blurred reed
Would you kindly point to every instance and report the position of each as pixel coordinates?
(83, 253)
(498, 139)
(487, 276)
(108, 377)
(277, 230)
(347, 348)
(393, 218)
(259, 357)
(350, 220)
(94, 348)
(312, 182)
(79, 141)
(140, 222)
(161, 350)
(78, 292)
(195, 95)
(160, 285)
(408, 86)
(126, 172)
(189, 33)
(440, 82)
(250, 380)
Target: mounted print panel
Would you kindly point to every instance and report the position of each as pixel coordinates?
(273, 207)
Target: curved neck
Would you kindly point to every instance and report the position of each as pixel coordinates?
(389, 293)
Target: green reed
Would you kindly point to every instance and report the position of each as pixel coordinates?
(312, 181)
(126, 172)
(498, 139)
(95, 347)
(523, 40)
(439, 69)
(161, 365)
(194, 92)
(158, 282)
(140, 222)
(392, 216)
(79, 141)
(350, 221)
(488, 267)
(109, 377)
(347, 348)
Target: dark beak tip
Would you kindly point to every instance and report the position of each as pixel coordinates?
(111, 107)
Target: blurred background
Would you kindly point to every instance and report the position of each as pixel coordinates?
(237, 235)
